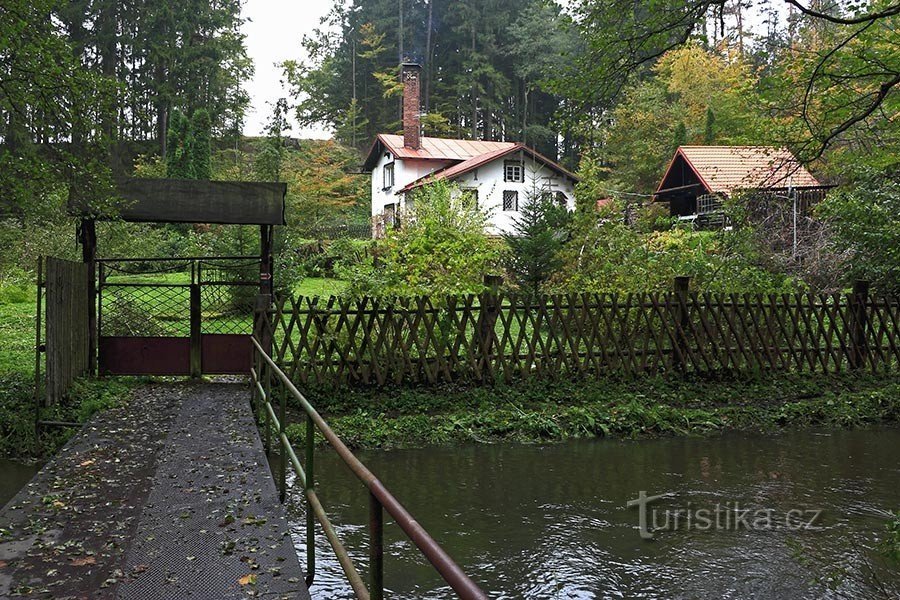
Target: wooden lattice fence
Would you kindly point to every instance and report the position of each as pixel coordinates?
(486, 338)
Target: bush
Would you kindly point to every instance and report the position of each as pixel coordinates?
(440, 249)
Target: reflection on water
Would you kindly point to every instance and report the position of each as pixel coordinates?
(13, 477)
(552, 522)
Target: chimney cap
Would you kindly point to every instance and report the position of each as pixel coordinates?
(408, 64)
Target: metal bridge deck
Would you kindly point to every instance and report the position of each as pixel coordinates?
(167, 497)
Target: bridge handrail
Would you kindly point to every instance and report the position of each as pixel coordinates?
(379, 497)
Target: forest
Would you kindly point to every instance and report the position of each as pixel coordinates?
(93, 88)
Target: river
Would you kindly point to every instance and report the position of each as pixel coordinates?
(13, 477)
(552, 522)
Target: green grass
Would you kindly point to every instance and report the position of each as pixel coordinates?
(320, 286)
(17, 409)
(17, 332)
(170, 278)
(645, 407)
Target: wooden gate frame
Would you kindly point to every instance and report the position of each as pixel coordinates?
(180, 201)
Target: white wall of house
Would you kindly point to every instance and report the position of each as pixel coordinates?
(488, 180)
(405, 172)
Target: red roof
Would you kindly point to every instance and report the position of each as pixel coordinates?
(438, 148)
(483, 159)
(724, 169)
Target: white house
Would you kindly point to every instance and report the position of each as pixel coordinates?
(500, 175)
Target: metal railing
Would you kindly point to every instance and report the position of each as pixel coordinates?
(265, 375)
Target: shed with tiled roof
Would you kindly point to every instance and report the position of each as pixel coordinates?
(697, 171)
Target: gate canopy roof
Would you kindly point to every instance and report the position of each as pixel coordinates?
(191, 201)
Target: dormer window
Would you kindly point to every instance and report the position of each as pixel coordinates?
(388, 176)
(513, 171)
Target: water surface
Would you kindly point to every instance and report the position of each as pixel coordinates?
(13, 477)
(552, 522)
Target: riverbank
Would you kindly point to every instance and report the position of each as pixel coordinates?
(651, 407)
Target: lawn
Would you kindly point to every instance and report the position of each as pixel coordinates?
(17, 331)
(320, 286)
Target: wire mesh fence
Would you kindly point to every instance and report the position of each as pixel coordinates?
(152, 298)
(228, 291)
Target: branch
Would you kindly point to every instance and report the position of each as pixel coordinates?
(888, 12)
(883, 91)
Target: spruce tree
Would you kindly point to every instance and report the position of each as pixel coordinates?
(200, 149)
(680, 136)
(178, 159)
(538, 235)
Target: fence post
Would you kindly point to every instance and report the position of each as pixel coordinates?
(89, 256)
(282, 451)
(487, 318)
(859, 301)
(682, 320)
(37, 352)
(376, 548)
(310, 515)
(196, 332)
(267, 389)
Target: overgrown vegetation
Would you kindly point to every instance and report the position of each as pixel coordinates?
(442, 248)
(17, 407)
(548, 412)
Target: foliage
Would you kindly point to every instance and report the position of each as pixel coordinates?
(485, 63)
(647, 407)
(440, 249)
(693, 96)
(323, 188)
(865, 220)
(827, 68)
(178, 147)
(50, 106)
(270, 155)
(200, 148)
(536, 241)
(607, 255)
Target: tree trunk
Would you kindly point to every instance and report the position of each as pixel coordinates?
(108, 42)
(428, 55)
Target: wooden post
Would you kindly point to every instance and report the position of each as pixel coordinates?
(266, 235)
(682, 319)
(89, 256)
(487, 318)
(859, 301)
(262, 329)
(37, 351)
(376, 548)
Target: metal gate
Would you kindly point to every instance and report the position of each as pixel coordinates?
(189, 316)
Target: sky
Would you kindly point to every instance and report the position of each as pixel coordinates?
(274, 29)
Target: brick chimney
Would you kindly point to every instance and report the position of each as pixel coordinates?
(410, 75)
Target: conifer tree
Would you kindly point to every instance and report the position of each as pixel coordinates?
(200, 149)
(539, 233)
(178, 159)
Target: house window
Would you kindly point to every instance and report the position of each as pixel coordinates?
(514, 171)
(708, 203)
(390, 215)
(469, 197)
(388, 176)
(510, 201)
(559, 198)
